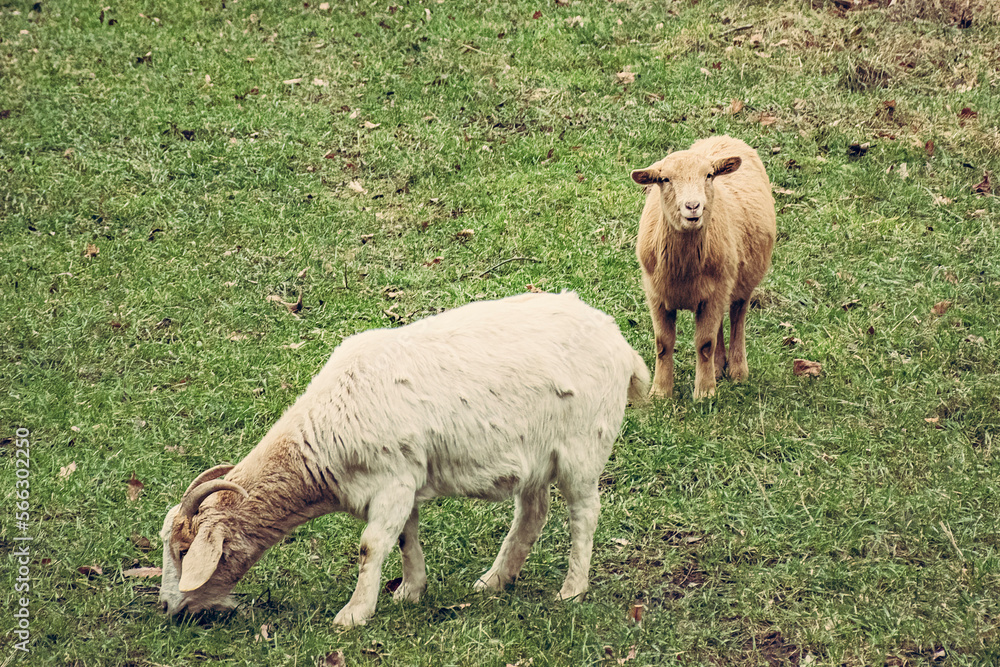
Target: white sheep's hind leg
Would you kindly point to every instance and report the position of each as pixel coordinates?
(531, 507)
(388, 513)
(584, 505)
(414, 570)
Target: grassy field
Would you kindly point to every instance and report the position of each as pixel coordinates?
(168, 169)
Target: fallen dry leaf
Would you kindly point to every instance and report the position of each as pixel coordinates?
(791, 341)
(356, 186)
(436, 260)
(942, 201)
(370, 125)
(932, 420)
(291, 307)
(263, 633)
(635, 613)
(531, 288)
(767, 119)
(143, 572)
(319, 82)
(292, 82)
(975, 340)
(237, 335)
(140, 542)
(464, 234)
(983, 187)
(302, 273)
(626, 76)
(940, 308)
(631, 653)
(91, 251)
(334, 659)
(134, 488)
(782, 191)
(929, 148)
(324, 6)
(856, 150)
(90, 570)
(804, 367)
(735, 106)
(967, 113)
(293, 346)
(66, 471)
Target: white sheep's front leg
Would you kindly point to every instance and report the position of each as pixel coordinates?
(530, 510)
(414, 570)
(388, 513)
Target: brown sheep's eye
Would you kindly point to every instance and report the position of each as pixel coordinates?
(183, 553)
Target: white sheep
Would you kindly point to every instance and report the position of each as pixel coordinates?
(489, 400)
(705, 240)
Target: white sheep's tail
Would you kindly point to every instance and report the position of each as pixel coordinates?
(639, 384)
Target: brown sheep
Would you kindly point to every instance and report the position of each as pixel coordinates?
(704, 244)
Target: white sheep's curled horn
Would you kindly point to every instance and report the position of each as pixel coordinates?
(208, 475)
(192, 501)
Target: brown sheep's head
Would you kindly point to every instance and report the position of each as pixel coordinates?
(685, 180)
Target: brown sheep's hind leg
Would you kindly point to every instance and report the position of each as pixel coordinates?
(738, 369)
(720, 354)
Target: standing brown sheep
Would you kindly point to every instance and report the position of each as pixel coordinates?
(705, 241)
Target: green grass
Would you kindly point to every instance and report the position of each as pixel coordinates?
(849, 519)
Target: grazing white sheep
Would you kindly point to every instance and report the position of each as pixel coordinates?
(489, 400)
(705, 241)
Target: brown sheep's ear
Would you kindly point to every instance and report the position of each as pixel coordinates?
(646, 176)
(726, 166)
(201, 560)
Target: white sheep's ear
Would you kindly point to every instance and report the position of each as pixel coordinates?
(646, 176)
(202, 558)
(726, 165)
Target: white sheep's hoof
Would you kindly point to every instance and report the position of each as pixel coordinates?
(408, 592)
(576, 595)
(349, 616)
(487, 582)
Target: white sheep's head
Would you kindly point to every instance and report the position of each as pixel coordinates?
(686, 183)
(204, 553)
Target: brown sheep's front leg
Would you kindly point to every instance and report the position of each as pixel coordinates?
(665, 330)
(738, 369)
(707, 321)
